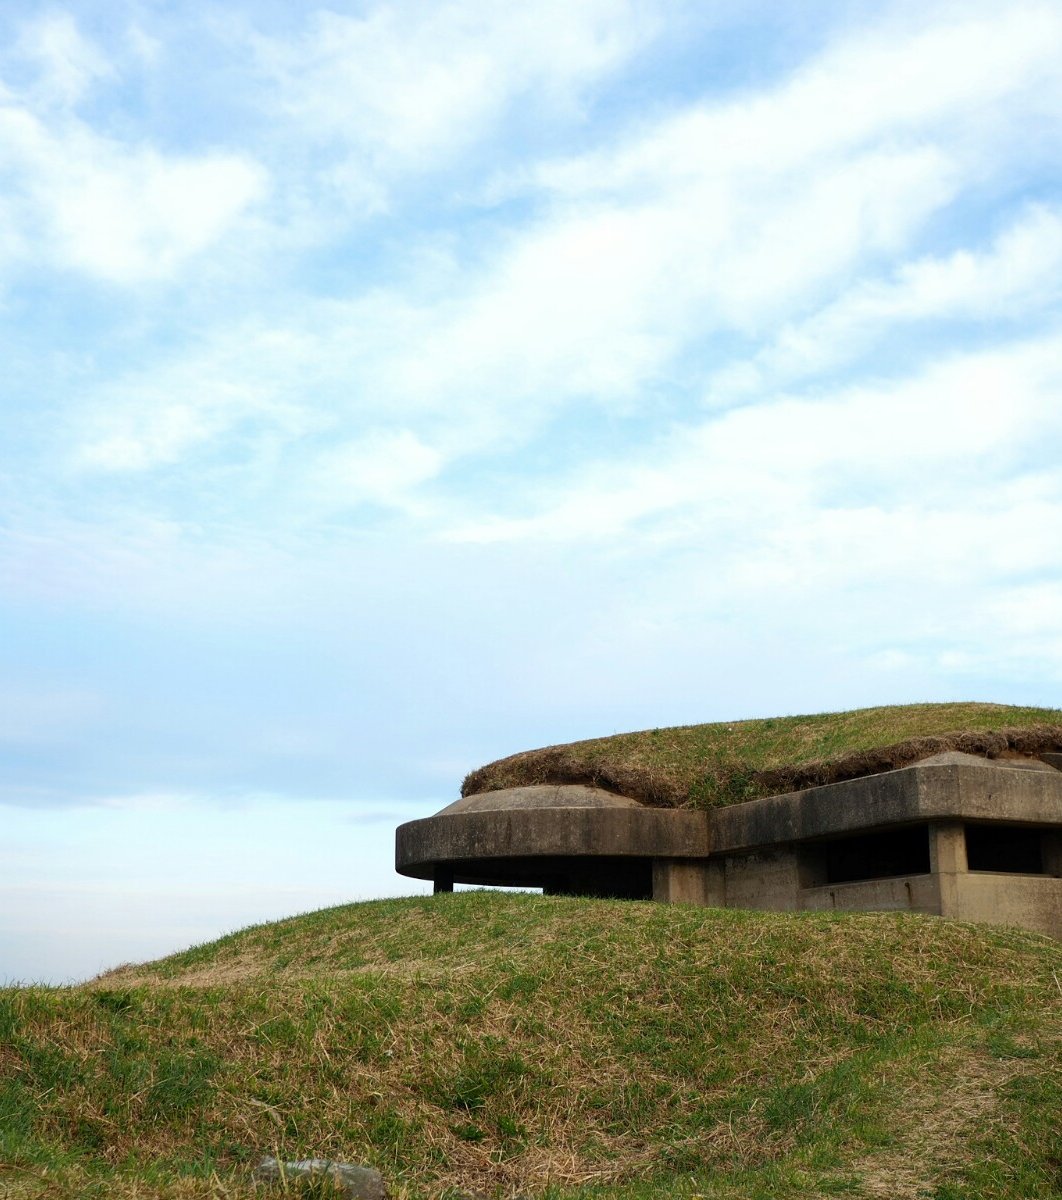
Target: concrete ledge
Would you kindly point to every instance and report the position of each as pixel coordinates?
(622, 832)
(901, 797)
(910, 893)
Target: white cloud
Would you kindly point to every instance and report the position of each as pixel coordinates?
(143, 46)
(1021, 272)
(147, 803)
(802, 465)
(381, 467)
(892, 82)
(406, 85)
(236, 386)
(736, 215)
(135, 562)
(68, 63)
(591, 305)
(151, 439)
(730, 217)
(724, 218)
(1031, 611)
(142, 215)
(77, 199)
(119, 213)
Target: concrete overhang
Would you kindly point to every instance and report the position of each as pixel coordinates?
(953, 786)
(544, 823)
(518, 835)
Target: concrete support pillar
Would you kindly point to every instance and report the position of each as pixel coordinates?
(947, 847)
(947, 861)
(444, 880)
(681, 881)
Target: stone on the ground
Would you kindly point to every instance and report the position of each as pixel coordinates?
(358, 1183)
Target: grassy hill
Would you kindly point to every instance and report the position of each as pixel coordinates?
(724, 763)
(518, 1044)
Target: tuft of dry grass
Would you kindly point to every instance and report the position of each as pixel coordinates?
(933, 1136)
(728, 762)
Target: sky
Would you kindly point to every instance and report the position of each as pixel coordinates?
(389, 387)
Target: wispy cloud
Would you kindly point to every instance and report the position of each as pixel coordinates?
(768, 467)
(403, 88)
(1016, 277)
(64, 63)
(38, 716)
(897, 79)
(83, 200)
(803, 208)
(465, 376)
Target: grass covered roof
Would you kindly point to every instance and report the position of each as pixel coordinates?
(727, 762)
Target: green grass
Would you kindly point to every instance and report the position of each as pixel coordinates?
(728, 762)
(553, 1047)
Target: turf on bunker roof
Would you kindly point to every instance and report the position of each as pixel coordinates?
(708, 766)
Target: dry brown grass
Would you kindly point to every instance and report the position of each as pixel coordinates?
(497, 1044)
(936, 1117)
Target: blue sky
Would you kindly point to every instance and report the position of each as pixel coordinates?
(388, 387)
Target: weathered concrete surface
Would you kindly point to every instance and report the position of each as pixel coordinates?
(776, 853)
(517, 826)
(947, 860)
(682, 881)
(906, 893)
(985, 792)
(959, 758)
(779, 879)
(1028, 901)
(768, 878)
(546, 795)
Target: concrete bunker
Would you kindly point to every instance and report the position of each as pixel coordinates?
(955, 835)
(566, 839)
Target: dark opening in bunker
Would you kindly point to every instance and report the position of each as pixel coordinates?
(602, 876)
(880, 855)
(1016, 849)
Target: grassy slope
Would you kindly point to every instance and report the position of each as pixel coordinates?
(514, 1043)
(704, 765)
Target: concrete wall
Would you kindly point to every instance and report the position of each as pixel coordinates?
(902, 797)
(940, 798)
(767, 879)
(686, 881)
(1026, 901)
(775, 880)
(779, 880)
(913, 893)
